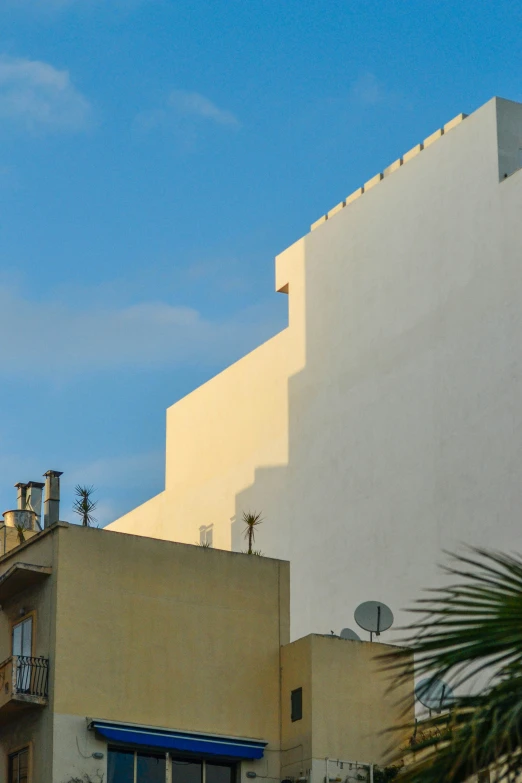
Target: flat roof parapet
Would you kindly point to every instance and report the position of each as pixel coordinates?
(395, 166)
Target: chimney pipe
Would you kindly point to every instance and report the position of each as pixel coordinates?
(22, 496)
(52, 497)
(33, 501)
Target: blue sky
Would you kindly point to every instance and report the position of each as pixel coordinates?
(155, 156)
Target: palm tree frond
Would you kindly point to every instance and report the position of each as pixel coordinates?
(463, 633)
(84, 505)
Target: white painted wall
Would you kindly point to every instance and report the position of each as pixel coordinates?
(404, 428)
(73, 746)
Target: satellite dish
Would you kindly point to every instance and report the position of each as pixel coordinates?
(434, 694)
(374, 616)
(347, 633)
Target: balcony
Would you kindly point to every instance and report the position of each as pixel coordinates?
(23, 685)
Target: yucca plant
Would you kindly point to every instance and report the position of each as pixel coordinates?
(251, 520)
(468, 632)
(20, 531)
(84, 505)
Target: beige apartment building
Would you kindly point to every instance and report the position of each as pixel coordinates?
(127, 659)
(384, 424)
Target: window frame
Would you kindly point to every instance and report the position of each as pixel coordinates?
(28, 746)
(170, 757)
(19, 621)
(296, 692)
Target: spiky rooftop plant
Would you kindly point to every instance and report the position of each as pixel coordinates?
(84, 505)
(251, 520)
(20, 531)
(470, 631)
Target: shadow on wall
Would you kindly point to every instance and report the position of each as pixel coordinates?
(403, 422)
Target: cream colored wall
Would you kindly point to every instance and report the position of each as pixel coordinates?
(352, 702)
(142, 631)
(150, 516)
(9, 538)
(384, 425)
(218, 435)
(296, 736)
(215, 438)
(169, 635)
(347, 704)
(405, 427)
(73, 749)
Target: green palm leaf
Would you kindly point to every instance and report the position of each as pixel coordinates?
(467, 633)
(251, 520)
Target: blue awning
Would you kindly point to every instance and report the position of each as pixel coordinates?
(187, 742)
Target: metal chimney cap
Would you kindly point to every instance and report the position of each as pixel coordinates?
(54, 473)
(36, 484)
(21, 484)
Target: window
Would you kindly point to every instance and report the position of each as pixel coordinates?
(22, 644)
(186, 771)
(151, 768)
(130, 766)
(23, 637)
(218, 773)
(120, 768)
(296, 698)
(19, 766)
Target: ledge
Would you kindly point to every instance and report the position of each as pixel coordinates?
(21, 576)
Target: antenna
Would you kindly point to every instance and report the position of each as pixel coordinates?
(374, 616)
(435, 694)
(347, 633)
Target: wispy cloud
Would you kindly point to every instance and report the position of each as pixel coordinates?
(39, 97)
(368, 90)
(193, 104)
(74, 340)
(189, 109)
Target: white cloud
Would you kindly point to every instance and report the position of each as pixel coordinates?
(187, 109)
(60, 340)
(38, 96)
(192, 104)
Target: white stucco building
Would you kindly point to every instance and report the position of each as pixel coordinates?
(385, 423)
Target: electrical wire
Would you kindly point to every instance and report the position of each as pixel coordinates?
(79, 751)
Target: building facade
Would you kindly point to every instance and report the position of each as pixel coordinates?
(127, 659)
(384, 424)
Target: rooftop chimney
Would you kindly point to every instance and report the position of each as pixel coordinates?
(22, 496)
(52, 497)
(33, 500)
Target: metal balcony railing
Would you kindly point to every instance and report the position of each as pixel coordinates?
(24, 679)
(31, 676)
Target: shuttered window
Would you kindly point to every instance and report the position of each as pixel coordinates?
(296, 698)
(19, 766)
